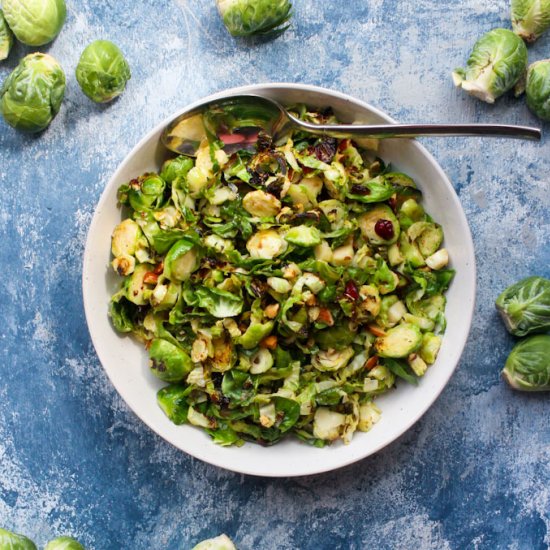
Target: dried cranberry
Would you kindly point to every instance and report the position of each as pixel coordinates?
(384, 229)
(351, 292)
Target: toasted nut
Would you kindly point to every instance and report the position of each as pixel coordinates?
(150, 278)
(376, 330)
(270, 342)
(371, 362)
(271, 311)
(325, 316)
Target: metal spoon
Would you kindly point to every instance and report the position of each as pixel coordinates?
(238, 120)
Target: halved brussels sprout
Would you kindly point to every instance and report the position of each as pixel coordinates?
(35, 22)
(530, 18)
(13, 541)
(102, 71)
(181, 260)
(137, 289)
(537, 88)
(379, 225)
(64, 543)
(6, 38)
(399, 341)
(332, 359)
(428, 237)
(497, 62)
(525, 306)
(528, 365)
(125, 238)
(327, 424)
(335, 211)
(32, 94)
(249, 17)
(168, 362)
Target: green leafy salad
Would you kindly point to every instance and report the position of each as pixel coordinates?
(280, 289)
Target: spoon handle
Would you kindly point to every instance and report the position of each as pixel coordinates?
(421, 130)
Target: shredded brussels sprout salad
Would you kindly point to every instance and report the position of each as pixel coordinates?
(280, 290)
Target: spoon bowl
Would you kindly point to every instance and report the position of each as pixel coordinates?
(237, 122)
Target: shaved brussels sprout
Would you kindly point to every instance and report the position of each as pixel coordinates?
(537, 89)
(525, 306)
(6, 38)
(13, 541)
(32, 94)
(277, 301)
(64, 543)
(223, 542)
(35, 22)
(528, 365)
(255, 17)
(497, 62)
(530, 18)
(102, 71)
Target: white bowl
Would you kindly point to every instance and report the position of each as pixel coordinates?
(126, 362)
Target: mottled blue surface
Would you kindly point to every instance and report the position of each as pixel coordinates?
(473, 473)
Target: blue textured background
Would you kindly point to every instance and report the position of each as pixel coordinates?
(473, 473)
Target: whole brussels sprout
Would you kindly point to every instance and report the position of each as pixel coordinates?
(64, 543)
(223, 542)
(528, 365)
(32, 94)
(35, 22)
(497, 62)
(530, 18)
(255, 17)
(537, 89)
(13, 541)
(525, 306)
(102, 71)
(6, 38)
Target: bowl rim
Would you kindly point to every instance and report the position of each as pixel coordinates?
(260, 89)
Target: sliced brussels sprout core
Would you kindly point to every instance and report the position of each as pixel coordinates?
(168, 362)
(379, 225)
(497, 62)
(399, 341)
(31, 96)
(528, 365)
(33, 22)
